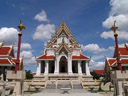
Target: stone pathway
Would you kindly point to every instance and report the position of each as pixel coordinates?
(58, 92)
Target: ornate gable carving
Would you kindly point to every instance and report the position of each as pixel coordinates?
(63, 45)
(64, 28)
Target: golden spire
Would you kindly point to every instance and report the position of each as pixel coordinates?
(21, 27)
(114, 28)
(2, 43)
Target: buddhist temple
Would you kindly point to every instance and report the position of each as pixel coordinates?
(62, 57)
(7, 59)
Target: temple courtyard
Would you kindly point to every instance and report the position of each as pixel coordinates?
(72, 92)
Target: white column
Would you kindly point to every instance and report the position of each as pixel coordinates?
(79, 68)
(56, 71)
(38, 68)
(46, 67)
(87, 68)
(69, 63)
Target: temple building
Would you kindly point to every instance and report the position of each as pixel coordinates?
(111, 63)
(62, 55)
(7, 60)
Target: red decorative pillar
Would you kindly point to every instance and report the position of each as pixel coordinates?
(114, 28)
(21, 27)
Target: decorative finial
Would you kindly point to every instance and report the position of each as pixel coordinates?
(114, 28)
(21, 27)
(63, 23)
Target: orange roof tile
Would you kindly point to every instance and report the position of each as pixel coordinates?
(5, 61)
(45, 57)
(80, 57)
(123, 51)
(99, 71)
(111, 61)
(4, 50)
(124, 61)
(14, 60)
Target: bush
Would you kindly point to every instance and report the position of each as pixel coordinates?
(29, 75)
(95, 76)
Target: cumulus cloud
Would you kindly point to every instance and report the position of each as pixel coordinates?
(119, 7)
(44, 32)
(25, 46)
(9, 35)
(122, 21)
(123, 35)
(30, 62)
(111, 48)
(96, 65)
(97, 57)
(42, 16)
(118, 12)
(26, 54)
(93, 48)
(29, 59)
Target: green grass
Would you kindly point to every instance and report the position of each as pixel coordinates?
(31, 91)
(96, 91)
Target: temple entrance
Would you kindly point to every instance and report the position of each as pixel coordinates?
(51, 66)
(63, 65)
(75, 66)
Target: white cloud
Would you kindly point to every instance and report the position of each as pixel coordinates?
(96, 65)
(119, 12)
(9, 35)
(44, 32)
(123, 35)
(111, 48)
(26, 54)
(30, 62)
(25, 46)
(119, 7)
(42, 16)
(29, 59)
(93, 48)
(97, 57)
(122, 22)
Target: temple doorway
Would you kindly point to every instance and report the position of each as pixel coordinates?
(51, 66)
(63, 65)
(75, 66)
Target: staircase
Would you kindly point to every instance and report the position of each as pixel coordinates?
(51, 85)
(76, 84)
(63, 84)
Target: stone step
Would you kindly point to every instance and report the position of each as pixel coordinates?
(49, 86)
(77, 86)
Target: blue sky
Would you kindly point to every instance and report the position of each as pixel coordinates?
(88, 20)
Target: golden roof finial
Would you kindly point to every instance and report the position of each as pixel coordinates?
(21, 27)
(114, 28)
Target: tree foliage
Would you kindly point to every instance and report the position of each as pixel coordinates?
(95, 76)
(29, 74)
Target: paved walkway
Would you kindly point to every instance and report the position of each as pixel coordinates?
(58, 92)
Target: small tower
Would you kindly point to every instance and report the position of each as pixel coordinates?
(114, 28)
(21, 27)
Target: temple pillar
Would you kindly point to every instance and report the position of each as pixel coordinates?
(38, 68)
(70, 63)
(87, 68)
(46, 67)
(56, 71)
(79, 68)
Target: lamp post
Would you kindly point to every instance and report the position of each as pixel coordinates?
(114, 28)
(21, 27)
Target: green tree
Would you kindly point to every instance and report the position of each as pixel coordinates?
(95, 76)
(29, 74)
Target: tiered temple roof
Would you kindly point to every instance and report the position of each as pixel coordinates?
(62, 31)
(7, 56)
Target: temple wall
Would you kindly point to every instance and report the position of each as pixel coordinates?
(76, 52)
(50, 52)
